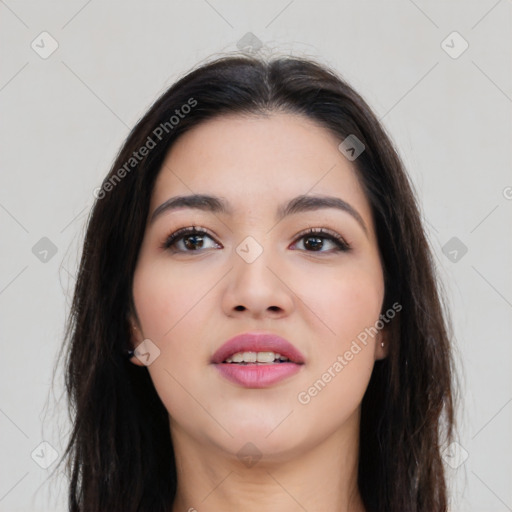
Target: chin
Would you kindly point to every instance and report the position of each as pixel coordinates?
(271, 436)
(255, 445)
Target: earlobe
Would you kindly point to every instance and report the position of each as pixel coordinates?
(135, 360)
(134, 341)
(382, 345)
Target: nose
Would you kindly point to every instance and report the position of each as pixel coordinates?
(257, 286)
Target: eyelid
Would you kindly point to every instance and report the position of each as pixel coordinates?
(321, 231)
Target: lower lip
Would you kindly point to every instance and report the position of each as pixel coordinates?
(257, 375)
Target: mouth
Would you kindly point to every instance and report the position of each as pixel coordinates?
(257, 360)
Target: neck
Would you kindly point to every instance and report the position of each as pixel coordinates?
(323, 477)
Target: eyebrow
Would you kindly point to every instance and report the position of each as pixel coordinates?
(299, 204)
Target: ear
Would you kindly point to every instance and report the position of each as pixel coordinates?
(382, 342)
(135, 339)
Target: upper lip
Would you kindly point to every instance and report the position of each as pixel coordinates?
(257, 342)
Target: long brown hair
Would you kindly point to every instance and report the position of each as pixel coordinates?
(120, 456)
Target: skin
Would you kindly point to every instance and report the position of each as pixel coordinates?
(189, 303)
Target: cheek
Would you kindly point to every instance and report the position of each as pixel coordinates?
(335, 393)
(164, 297)
(345, 302)
(349, 304)
(168, 304)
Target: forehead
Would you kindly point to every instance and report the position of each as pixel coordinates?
(256, 162)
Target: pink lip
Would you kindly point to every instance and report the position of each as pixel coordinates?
(257, 375)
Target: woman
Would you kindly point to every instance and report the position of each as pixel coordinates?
(256, 323)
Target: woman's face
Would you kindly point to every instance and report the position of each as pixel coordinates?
(255, 271)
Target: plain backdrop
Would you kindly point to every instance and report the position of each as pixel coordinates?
(76, 75)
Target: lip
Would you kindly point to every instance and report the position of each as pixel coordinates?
(257, 375)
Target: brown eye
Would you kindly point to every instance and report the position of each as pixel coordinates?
(193, 240)
(314, 240)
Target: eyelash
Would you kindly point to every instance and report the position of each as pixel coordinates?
(327, 234)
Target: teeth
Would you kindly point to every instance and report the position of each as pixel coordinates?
(250, 357)
(255, 357)
(265, 357)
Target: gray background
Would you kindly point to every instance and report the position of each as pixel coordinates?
(65, 116)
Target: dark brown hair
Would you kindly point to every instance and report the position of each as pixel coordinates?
(120, 456)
